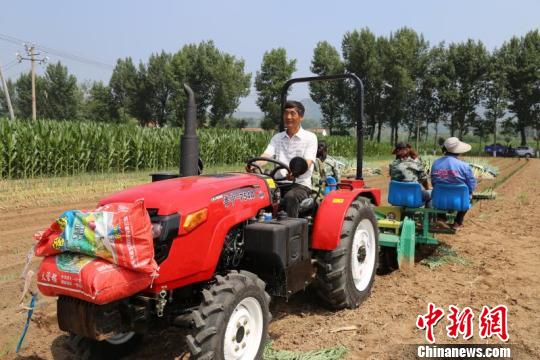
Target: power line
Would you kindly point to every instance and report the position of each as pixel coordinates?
(58, 53)
(11, 39)
(75, 58)
(10, 64)
(7, 69)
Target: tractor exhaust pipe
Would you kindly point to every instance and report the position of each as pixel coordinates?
(189, 143)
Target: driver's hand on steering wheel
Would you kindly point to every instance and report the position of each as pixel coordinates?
(251, 169)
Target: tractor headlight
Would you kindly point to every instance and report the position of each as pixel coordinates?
(164, 231)
(157, 229)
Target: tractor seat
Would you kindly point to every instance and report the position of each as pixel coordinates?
(451, 197)
(407, 194)
(307, 204)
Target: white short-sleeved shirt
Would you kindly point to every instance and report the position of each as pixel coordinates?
(284, 148)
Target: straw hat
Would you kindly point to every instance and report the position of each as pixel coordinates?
(454, 146)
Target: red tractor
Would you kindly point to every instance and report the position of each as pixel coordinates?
(224, 248)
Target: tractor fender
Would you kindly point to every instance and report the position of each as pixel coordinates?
(331, 214)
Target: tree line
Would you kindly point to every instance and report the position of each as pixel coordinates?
(409, 85)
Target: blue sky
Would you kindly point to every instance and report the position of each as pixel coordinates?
(107, 30)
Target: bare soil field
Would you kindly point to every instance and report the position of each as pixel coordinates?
(500, 246)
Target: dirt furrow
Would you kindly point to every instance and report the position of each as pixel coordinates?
(499, 244)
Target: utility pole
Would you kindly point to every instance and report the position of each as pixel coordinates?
(30, 51)
(6, 92)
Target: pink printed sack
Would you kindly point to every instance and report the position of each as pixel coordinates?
(87, 278)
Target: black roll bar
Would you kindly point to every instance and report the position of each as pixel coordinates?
(359, 110)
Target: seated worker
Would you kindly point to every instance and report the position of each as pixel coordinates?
(324, 166)
(407, 167)
(331, 165)
(293, 142)
(450, 170)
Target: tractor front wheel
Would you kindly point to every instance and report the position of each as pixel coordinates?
(232, 321)
(345, 275)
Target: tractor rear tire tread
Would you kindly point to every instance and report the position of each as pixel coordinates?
(198, 320)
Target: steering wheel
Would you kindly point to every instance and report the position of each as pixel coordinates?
(272, 174)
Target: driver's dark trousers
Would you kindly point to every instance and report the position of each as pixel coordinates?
(293, 197)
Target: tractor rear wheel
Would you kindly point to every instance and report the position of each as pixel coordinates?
(232, 321)
(345, 275)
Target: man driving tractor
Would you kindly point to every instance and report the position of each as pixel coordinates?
(293, 142)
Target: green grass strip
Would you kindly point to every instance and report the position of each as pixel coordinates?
(444, 255)
(335, 353)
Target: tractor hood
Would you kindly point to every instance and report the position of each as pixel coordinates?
(187, 194)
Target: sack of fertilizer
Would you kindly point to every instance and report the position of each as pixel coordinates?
(88, 278)
(120, 233)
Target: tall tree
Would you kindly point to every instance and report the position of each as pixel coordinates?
(232, 83)
(193, 65)
(329, 94)
(23, 96)
(404, 62)
(124, 86)
(63, 97)
(466, 73)
(429, 104)
(362, 53)
(275, 71)
(217, 78)
(158, 86)
(99, 104)
(521, 57)
(495, 94)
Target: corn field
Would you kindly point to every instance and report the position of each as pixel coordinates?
(54, 148)
(58, 148)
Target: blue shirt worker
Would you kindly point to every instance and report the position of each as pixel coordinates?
(450, 170)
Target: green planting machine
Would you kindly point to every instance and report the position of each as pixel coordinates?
(407, 222)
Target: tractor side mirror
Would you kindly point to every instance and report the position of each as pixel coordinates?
(298, 166)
